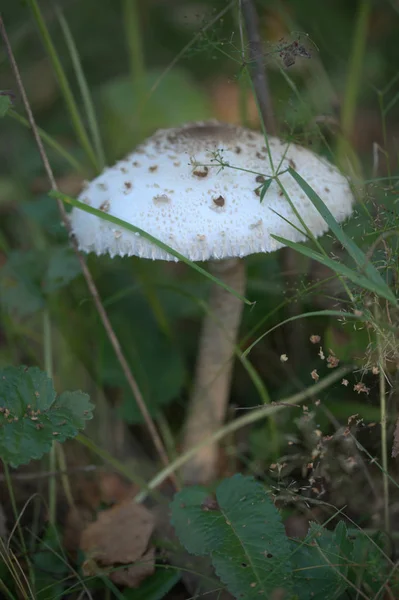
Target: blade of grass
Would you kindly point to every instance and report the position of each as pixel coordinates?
(355, 67)
(98, 213)
(133, 39)
(315, 313)
(354, 251)
(84, 89)
(340, 269)
(247, 419)
(64, 85)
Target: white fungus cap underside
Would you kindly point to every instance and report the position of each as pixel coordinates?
(206, 213)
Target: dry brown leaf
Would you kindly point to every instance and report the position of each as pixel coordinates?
(120, 536)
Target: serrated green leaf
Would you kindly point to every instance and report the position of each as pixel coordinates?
(319, 565)
(62, 268)
(27, 277)
(370, 568)
(242, 532)
(32, 416)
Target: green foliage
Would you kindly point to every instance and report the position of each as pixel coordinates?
(50, 566)
(320, 563)
(366, 276)
(27, 278)
(32, 416)
(62, 268)
(159, 371)
(155, 587)
(5, 103)
(241, 530)
(19, 290)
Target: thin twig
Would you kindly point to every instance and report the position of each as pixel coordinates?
(86, 273)
(258, 72)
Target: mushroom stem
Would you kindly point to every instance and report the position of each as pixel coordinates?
(211, 388)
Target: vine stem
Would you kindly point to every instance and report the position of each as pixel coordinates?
(258, 72)
(155, 437)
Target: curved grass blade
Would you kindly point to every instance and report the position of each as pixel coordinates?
(63, 83)
(362, 261)
(360, 280)
(84, 89)
(315, 313)
(98, 213)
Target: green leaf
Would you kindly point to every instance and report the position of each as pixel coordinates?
(319, 564)
(62, 268)
(242, 532)
(5, 103)
(32, 416)
(50, 567)
(156, 362)
(340, 269)
(27, 277)
(370, 568)
(20, 293)
(44, 212)
(264, 188)
(364, 264)
(154, 587)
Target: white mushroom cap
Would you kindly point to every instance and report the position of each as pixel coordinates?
(174, 188)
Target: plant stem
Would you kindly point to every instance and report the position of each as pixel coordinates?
(84, 90)
(134, 43)
(354, 74)
(14, 505)
(48, 367)
(258, 71)
(346, 156)
(384, 439)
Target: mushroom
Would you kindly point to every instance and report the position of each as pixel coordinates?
(197, 189)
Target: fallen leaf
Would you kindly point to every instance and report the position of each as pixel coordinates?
(120, 536)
